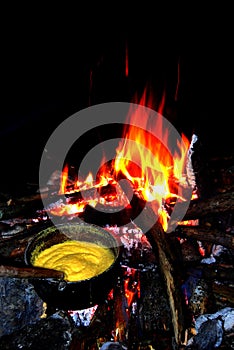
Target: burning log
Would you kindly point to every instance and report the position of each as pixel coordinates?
(24, 206)
(7, 230)
(15, 210)
(120, 314)
(206, 234)
(153, 308)
(219, 203)
(224, 292)
(218, 272)
(134, 330)
(170, 270)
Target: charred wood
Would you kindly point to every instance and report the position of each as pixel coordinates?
(26, 209)
(8, 231)
(171, 273)
(120, 315)
(201, 300)
(218, 203)
(206, 234)
(218, 272)
(223, 292)
(154, 309)
(16, 210)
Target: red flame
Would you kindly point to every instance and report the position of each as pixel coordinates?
(131, 286)
(126, 60)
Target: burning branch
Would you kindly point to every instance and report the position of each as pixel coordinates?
(206, 234)
(120, 314)
(219, 203)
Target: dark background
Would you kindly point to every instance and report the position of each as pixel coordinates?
(46, 62)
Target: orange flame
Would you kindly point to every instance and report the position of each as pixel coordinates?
(68, 209)
(64, 179)
(131, 286)
(146, 161)
(143, 156)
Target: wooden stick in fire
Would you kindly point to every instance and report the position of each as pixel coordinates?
(219, 203)
(170, 270)
(29, 272)
(206, 234)
(119, 314)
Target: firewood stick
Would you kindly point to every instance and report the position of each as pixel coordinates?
(219, 203)
(11, 211)
(33, 198)
(36, 197)
(222, 159)
(26, 205)
(218, 272)
(18, 210)
(120, 314)
(223, 291)
(206, 234)
(29, 272)
(169, 267)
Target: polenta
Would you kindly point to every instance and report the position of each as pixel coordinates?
(78, 260)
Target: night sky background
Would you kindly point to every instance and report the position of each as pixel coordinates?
(46, 61)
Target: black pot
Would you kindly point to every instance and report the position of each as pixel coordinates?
(81, 294)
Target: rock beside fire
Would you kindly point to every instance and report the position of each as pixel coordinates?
(20, 305)
(54, 332)
(112, 346)
(212, 330)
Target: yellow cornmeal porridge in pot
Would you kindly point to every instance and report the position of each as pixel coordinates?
(77, 259)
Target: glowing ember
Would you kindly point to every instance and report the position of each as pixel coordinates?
(131, 286)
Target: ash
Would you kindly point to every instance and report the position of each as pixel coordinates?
(137, 250)
(82, 318)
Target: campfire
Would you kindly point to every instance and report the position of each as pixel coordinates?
(176, 278)
(144, 165)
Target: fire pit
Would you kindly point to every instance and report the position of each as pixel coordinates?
(167, 278)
